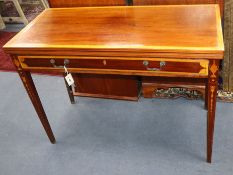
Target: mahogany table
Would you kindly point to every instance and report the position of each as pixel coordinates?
(164, 41)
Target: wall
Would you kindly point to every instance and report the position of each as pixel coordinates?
(227, 73)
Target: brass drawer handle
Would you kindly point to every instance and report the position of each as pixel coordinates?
(53, 62)
(161, 64)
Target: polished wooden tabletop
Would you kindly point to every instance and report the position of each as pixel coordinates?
(137, 41)
(176, 28)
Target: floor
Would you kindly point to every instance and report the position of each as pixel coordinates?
(13, 27)
(98, 137)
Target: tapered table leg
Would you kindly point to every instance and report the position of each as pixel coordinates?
(206, 94)
(32, 92)
(212, 92)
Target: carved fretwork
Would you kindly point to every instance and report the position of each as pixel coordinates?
(176, 92)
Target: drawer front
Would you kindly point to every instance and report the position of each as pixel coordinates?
(130, 65)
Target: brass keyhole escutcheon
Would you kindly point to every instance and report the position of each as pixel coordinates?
(104, 62)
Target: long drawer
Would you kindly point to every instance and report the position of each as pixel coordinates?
(135, 66)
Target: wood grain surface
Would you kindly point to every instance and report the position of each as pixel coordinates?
(151, 28)
(72, 3)
(180, 2)
(107, 86)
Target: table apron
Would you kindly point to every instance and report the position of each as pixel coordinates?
(171, 67)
